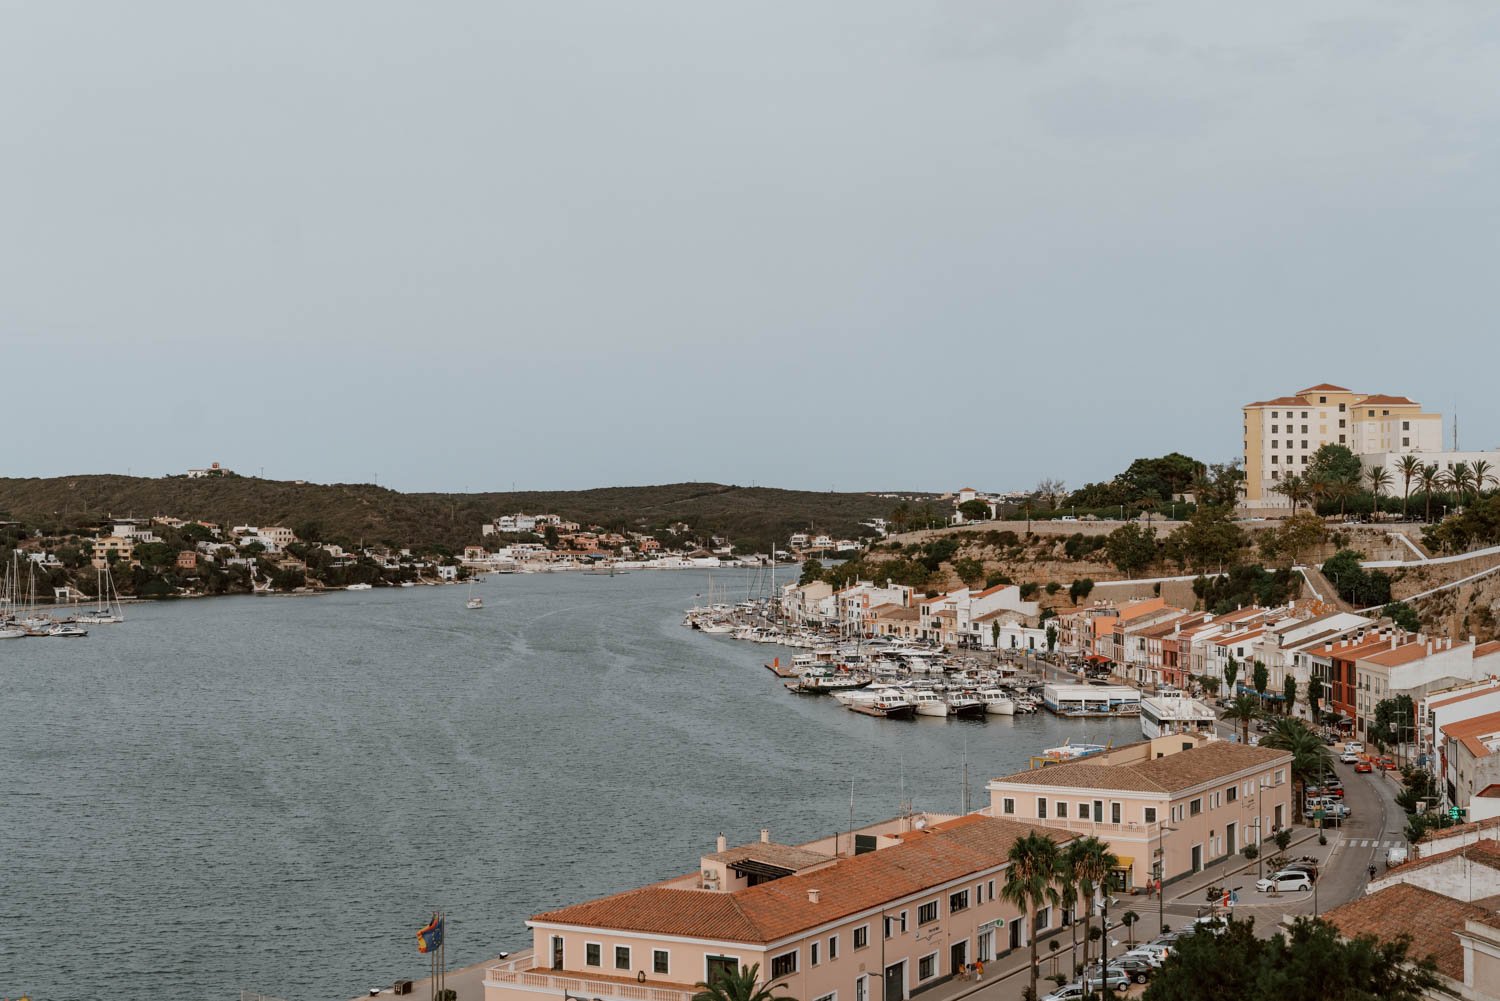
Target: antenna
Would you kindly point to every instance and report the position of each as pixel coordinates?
(1455, 427)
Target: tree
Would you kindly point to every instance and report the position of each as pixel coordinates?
(1403, 615)
(1342, 489)
(812, 571)
(1231, 671)
(1483, 472)
(1260, 677)
(1430, 478)
(1080, 589)
(1394, 721)
(1049, 492)
(1289, 692)
(1310, 756)
(1333, 462)
(1379, 479)
(969, 570)
(740, 985)
(1408, 468)
(1314, 696)
(1069, 893)
(901, 516)
(1309, 962)
(1094, 864)
(1051, 638)
(1131, 548)
(1243, 710)
(1030, 882)
(975, 510)
(1128, 919)
(1295, 489)
(1297, 534)
(1209, 539)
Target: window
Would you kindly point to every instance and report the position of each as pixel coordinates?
(927, 967)
(958, 901)
(890, 926)
(1304, 414)
(833, 948)
(861, 936)
(1341, 410)
(1273, 460)
(902, 919)
(1098, 809)
(784, 965)
(1041, 808)
(1304, 431)
(1280, 776)
(1275, 443)
(1304, 440)
(1275, 429)
(1195, 807)
(1114, 813)
(1405, 441)
(927, 913)
(591, 954)
(991, 885)
(622, 957)
(827, 997)
(1273, 413)
(1062, 810)
(1083, 811)
(659, 961)
(1150, 814)
(1322, 399)
(812, 954)
(1043, 919)
(1007, 806)
(1372, 413)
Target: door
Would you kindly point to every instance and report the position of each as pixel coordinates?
(1197, 858)
(986, 950)
(1015, 932)
(895, 982)
(1231, 839)
(861, 989)
(557, 952)
(958, 957)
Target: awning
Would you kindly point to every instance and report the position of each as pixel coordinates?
(1126, 862)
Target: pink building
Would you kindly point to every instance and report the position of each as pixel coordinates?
(872, 916)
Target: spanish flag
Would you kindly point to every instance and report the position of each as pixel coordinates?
(431, 936)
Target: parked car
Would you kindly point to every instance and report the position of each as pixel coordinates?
(1067, 992)
(1285, 880)
(1354, 746)
(1388, 763)
(1138, 968)
(1154, 953)
(1364, 767)
(1115, 978)
(1311, 868)
(1349, 758)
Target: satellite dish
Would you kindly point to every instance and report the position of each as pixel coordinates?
(920, 823)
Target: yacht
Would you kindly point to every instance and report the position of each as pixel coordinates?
(474, 602)
(67, 629)
(11, 633)
(966, 705)
(360, 587)
(929, 703)
(894, 706)
(997, 703)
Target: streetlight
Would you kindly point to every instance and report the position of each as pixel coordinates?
(1161, 874)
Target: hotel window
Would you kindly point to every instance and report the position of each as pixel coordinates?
(861, 936)
(958, 901)
(1062, 810)
(1406, 425)
(1322, 399)
(659, 960)
(1304, 415)
(1275, 429)
(1304, 442)
(1083, 811)
(1007, 806)
(1341, 439)
(1232, 793)
(784, 965)
(1405, 441)
(1341, 408)
(1273, 413)
(1114, 813)
(1041, 808)
(1195, 807)
(1304, 431)
(812, 954)
(1275, 443)
(1372, 413)
(1304, 460)
(1150, 814)
(927, 913)
(927, 967)
(591, 954)
(622, 957)
(833, 948)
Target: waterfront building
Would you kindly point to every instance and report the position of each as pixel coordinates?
(112, 545)
(187, 560)
(1168, 806)
(874, 914)
(1174, 712)
(1281, 435)
(1091, 700)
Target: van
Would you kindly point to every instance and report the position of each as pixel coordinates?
(1395, 855)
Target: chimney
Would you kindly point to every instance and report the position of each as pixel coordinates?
(1471, 641)
(812, 896)
(723, 843)
(1393, 641)
(765, 835)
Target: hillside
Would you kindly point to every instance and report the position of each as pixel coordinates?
(351, 512)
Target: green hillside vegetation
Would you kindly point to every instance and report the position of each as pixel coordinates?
(351, 513)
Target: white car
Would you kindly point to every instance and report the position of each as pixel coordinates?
(1353, 747)
(1067, 992)
(1286, 880)
(1350, 757)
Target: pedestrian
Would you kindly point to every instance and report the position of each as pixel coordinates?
(1371, 870)
(979, 970)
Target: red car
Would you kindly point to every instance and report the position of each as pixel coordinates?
(1364, 766)
(1389, 764)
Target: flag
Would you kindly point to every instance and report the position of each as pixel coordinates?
(430, 937)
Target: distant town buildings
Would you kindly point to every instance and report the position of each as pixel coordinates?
(213, 469)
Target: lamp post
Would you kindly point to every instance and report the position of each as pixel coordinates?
(1161, 875)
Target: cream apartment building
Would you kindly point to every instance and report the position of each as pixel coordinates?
(1282, 434)
(872, 915)
(1171, 805)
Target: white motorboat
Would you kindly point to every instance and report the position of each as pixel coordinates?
(997, 703)
(964, 704)
(360, 587)
(929, 703)
(11, 633)
(67, 629)
(474, 602)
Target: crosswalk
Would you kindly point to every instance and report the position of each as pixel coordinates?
(1370, 843)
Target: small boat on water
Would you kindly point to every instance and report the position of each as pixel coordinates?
(11, 633)
(929, 703)
(964, 705)
(67, 630)
(997, 702)
(107, 609)
(474, 602)
(360, 587)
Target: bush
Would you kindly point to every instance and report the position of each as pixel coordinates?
(1250, 852)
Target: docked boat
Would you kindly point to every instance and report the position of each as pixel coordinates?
(67, 630)
(997, 702)
(107, 608)
(360, 587)
(929, 703)
(821, 681)
(11, 633)
(965, 705)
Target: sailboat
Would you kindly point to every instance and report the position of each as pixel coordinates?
(9, 602)
(107, 607)
(475, 600)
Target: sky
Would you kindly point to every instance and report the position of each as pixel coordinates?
(855, 244)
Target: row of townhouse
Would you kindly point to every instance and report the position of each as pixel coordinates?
(1458, 736)
(980, 619)
(888, 910)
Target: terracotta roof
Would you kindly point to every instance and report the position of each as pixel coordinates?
(1473, 731)
(991, 590)
(1406, 653)
(1485, 649)
(1170, 773)
(1473, 827)
(1381, 398)
(1485, 852)
(1324, 387)
(781, 856)
(1280, 401)
(774, 910)
(1438, 701)
(1429, 919)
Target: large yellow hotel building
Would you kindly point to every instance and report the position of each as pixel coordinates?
(1281, 435)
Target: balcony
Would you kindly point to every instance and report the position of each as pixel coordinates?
(518, 971)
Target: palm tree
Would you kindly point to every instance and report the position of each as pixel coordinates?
(1483, 473)
(1341, 489)
(1459, 478)
(1243, 709)
(739, 985)
(1379, 479)
(1430, 479)
(1294, 488)
(1029, 883)
(1410, 467)
(1068, 893)
(1317, 488)
(1094, 864)
(1310, 756)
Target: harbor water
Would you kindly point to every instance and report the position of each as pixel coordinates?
(272, 794)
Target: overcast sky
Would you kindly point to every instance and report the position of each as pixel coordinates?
(854, 244)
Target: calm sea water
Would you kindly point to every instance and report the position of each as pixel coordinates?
(271, 793)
